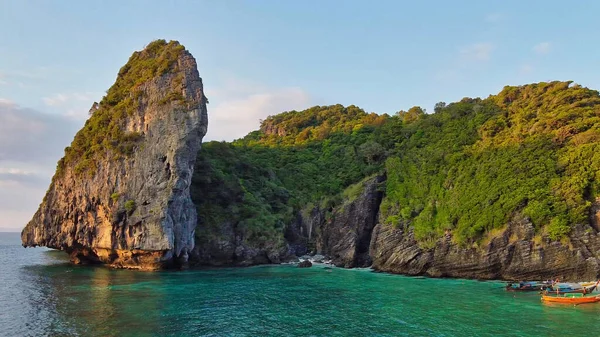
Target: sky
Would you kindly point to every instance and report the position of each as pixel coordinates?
(258, 58)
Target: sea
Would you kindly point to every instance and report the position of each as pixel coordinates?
(42, 294)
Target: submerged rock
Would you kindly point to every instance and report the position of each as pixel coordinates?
(120, 195)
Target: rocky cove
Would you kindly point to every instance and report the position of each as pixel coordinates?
(130, 192)
(352, 237)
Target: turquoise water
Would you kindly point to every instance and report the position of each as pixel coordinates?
(42, 295)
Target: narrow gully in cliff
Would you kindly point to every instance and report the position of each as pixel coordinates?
(363, 246)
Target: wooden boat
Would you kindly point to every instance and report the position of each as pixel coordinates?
(573, 298)
(525, 286)
(571, 288)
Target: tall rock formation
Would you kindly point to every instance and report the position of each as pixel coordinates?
(120, 195)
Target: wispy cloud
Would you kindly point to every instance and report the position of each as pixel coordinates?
(542, 48)
(237, 107)
(494, 17)
(15, 171)
(31, 142)
(17, 177)
(477, 52)
(63, 98)
(55, 100)
(466, 60)
(30, 136)
(73, 105)
(525, 69)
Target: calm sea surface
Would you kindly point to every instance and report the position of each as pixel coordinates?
(41, 294)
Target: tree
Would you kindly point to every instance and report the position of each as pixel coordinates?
(413, 114)
(372, 152)
(439, 106)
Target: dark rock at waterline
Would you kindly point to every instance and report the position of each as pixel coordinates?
(305, 264)
(512, 255)
(345, 235)
(228, 248)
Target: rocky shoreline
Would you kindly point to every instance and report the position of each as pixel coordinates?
(515, 253)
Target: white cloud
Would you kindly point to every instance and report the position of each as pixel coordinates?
(542, 48)
(61, 99)
(236, 108)
(30, 136)
(31, 142)
(15, 171)
(74, 105)
(55, 100)
(477, 52)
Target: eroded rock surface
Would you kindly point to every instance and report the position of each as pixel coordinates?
(346, 235)
(134, 210)
(513, 254)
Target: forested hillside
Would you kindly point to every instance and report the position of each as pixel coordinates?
(464, 169)
(297, 159)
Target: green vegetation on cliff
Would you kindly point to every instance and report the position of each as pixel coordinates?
(104, 135)
(468, 168)
(465, 169)
(261, 181)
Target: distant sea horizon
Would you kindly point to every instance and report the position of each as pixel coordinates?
(10, 230)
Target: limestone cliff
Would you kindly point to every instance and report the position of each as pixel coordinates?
(120, 195)
(352, 236)
(346, 235)
(512, 254)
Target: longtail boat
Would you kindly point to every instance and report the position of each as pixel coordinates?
(571, 288)
(573, 298)
(526, 286)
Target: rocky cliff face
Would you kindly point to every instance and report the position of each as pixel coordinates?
(228, 248)
(513, 254)
(129, 206)
(352, 237)
(346, 235)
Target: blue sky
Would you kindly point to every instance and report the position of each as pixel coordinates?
(261, 57)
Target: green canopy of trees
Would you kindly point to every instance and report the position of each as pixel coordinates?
(465, 169)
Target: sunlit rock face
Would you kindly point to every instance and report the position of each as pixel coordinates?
(120, 195)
